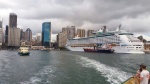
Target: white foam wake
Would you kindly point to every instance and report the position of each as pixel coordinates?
(113, 75)
(40, 76)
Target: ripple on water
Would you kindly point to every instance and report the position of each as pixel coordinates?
(4, 64)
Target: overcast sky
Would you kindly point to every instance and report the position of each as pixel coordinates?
(134, 15)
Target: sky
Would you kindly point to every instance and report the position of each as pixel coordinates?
(133, 15)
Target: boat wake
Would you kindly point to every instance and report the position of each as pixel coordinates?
(113, 75)
(42, 76)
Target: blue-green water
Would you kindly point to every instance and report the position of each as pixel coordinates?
(66, 67)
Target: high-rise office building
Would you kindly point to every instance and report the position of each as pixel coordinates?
(13, 31)
(81, 32)
(1, 36)
(14, 37)
(90, 33)
(61, 39)
(6, 34)
(70, 31)
(38, 37)
(28, 35)
(1, 32)
(12, 20)
(22, 35)
(1, 23)
(46, 34)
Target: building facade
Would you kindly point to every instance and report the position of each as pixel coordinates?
(90, 33)
(12, 20)
(69, 31)
(6, 34)
(14, 37)
(46, 34)
(36, 40)
(1, 36)
(22, 35)
(38, 37)
(1, 23)
(61, 39)
(28, 35)
(81, 32)
(13, 31)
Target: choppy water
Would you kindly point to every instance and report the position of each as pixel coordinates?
(66, 67)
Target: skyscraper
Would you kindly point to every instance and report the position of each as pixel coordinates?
(61, 39)
(46, 34)
(38, 37)
(1, 22)
(13, 31)
(1, 32)
(28, 35)
(81, 32)
(14, 37)
(90, 33)
(70, 31)
(22, 35)
(6, 34)
(12, 20)
(1, 36)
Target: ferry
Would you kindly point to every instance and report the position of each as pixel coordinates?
(121, 41)
(24, 51)
(132, 80)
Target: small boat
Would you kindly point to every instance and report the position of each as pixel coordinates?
(24, 51)
(89, 50)
(105, 50)
(132, 80)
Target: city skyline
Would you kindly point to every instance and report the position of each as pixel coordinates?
(134, 16)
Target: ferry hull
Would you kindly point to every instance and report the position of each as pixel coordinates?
(23, 54)
(132, 81)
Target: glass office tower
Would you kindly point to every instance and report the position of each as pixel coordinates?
(46, 34)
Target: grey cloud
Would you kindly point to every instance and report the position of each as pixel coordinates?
(69, 2)
(79, 12)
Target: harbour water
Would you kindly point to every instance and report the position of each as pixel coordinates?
(66, 67)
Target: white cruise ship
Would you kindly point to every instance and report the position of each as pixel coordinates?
(120, 40)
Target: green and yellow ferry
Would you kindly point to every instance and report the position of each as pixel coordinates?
(132, 80)
(24, 51)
